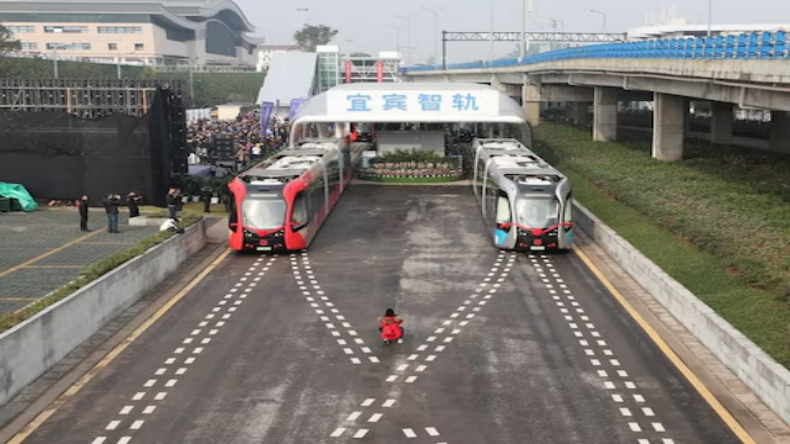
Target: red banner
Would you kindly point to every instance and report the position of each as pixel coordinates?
(348, 71)
(380, 71)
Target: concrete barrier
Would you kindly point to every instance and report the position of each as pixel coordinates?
(146, 221)
(769, 380)
(31, 348)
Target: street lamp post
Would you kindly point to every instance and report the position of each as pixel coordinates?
(55, 48)
(302, 15)
(408, 29)
(710, 17)
(192, 79)
(603, 16)
(118, 63)
(491, 32)
(527, 10)
(435, 31)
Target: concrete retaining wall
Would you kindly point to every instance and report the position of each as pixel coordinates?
(31, 348)
(769, 380)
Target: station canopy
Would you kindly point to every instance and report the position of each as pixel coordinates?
(439, 102)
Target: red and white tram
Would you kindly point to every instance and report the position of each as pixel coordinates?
(281, 203)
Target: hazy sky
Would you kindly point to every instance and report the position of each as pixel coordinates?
(370, 26)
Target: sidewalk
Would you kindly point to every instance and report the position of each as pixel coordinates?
(45, 249)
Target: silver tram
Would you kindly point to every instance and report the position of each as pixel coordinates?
(526, 203)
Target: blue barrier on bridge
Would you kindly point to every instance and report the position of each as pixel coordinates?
(754, 45)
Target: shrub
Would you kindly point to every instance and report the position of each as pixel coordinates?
(408, 155)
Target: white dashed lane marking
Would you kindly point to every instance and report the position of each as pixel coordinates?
(333, 320)
(614, 378)
(208, 327)
(444, 335)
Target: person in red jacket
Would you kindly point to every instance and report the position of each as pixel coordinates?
(391, 329)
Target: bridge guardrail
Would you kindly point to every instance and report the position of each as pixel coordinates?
(752, 45)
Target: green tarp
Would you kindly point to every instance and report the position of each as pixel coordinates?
(19, 193)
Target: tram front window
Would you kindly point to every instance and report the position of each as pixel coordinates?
(537, 213)
(263, 211)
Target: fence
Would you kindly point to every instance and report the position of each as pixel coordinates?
(746, 46)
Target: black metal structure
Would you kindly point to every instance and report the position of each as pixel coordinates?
(66, 138)
(542, 37)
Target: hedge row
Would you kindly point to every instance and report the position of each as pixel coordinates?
(718, 222)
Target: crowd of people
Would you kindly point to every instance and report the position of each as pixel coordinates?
(250, 144)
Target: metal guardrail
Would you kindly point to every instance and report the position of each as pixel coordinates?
(746, 46)
(552, 37)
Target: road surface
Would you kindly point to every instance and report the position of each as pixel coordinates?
(500, 347)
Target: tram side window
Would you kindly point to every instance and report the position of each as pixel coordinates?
(299, 214)
(491, 196)
(316, 198)
(503, 213)
(233, 217)
(481, 171)
(568, 216)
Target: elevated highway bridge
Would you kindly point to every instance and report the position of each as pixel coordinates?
(749, 70)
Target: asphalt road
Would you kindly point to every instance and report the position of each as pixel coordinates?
(500, 348)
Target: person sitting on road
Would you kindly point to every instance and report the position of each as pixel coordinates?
(391, 329)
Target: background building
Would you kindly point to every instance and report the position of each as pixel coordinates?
(328, 72)
(381, 69)
(201, 32)
(335, 68)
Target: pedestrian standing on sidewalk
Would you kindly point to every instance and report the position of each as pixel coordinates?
(133, 202)
(172, 204)
(111, 204)
(82, 207)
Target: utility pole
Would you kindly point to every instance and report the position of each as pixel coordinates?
(603, 16)
(527, 10)
(302, 16)
(710, 17)
(435, 31)
(408, 29)
(491, 33)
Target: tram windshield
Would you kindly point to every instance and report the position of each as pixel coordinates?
(263, 211)
(537, 212)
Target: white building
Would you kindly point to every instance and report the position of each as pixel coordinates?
(265, 52)
(201, 32)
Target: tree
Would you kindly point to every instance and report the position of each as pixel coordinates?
(7, 41)
(360, 54)
(311, 36)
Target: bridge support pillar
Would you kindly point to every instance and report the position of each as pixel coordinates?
(721, 121)
(605, 114)
(779, 132)
(669, 126)
(530, 98)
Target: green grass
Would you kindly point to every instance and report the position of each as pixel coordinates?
(719, 222)
(90, 274)
(192, 209)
